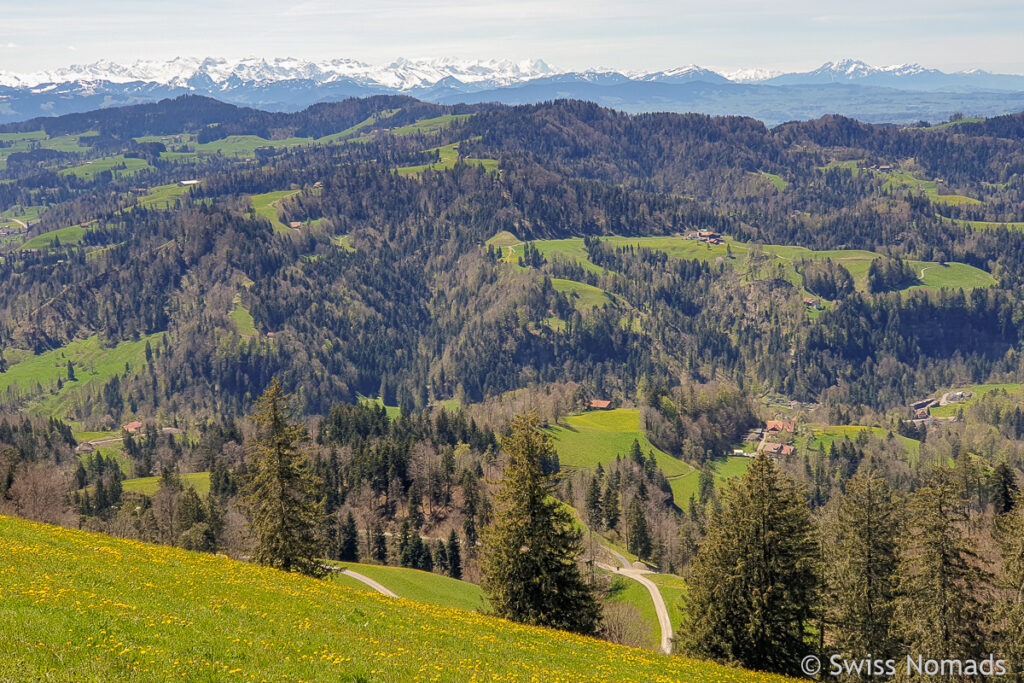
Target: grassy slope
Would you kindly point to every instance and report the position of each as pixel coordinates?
(92, 607)
(449, 156)
(200, 481)
(421, 586)
(94, 366)
(979, 390)
(584, 441)
(689, 484)
(586, 296)
(72, 234)
(430, 125)
(244, 322)
(89, 170)
(824, 437)
(956, 275)
(265, 205)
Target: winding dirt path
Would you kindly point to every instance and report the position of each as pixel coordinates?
(659, 602)
(369, 582)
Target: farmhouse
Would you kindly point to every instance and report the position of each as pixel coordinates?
(776, 426)
(132, 427)
(189, 183)
(85, 447)
(596, 404)
(295, 225)
(779, 449)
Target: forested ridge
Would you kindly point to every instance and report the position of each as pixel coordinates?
(403, 279)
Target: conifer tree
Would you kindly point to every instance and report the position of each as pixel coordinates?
(1010, 639)
(530, 550)
(454, 556)
(611, 505)
(860, 567)
(754, 582)
(639, 535)
(592, 504)
(280, 495)
(938, 612)
(348, 540)
(1004, 488)
(380, 544)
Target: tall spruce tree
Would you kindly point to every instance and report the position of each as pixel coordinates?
(755, 580)
(938, 611)
(348, 539)
(530, 550)
(1004, 488)
(639, 535)
(454, 556)
(280, 495)
(860, 567)
(1010, 639)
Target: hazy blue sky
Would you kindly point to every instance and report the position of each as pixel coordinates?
(784, 34)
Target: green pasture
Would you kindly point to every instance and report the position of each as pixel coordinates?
(421, 586)
(200, 481)
(90, 607)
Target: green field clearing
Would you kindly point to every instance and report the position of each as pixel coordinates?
(242, 318)
(92, 607)
(266, 205)
(246, 145)
(200, 481)
(929, 187)
(777, 181)
(979, 391)
(953, 124)
(433, 125)
(823, 437)
(352, 130)
(70, 235)
(689, 484)
(88, 170)
(984, 225)
(24, 142)
(449, 156)
(857, 261)
(343, 241)
(596, 437)
(421, 586)
(35, 377)
(584, 296)
(162, 196)
(392, 411)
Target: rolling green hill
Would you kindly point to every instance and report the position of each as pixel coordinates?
(423, 586)
(934, 276)
(93, 607)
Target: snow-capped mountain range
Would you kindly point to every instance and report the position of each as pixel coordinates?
(411, 74)
(898, 93)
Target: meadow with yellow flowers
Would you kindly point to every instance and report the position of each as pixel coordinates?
(78, 606)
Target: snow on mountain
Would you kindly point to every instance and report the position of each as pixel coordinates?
(750, 75)
(402, 74)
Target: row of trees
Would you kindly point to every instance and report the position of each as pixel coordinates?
(875, 576)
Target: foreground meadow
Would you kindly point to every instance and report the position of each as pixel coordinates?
(80, 607)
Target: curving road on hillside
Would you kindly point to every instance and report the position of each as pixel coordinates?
(369, 582)
(659, 602)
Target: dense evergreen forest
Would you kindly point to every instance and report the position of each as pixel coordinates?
(165, 263)
(414, 303)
